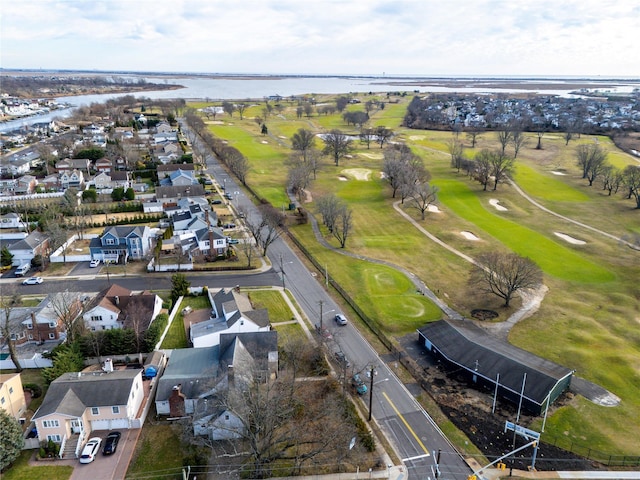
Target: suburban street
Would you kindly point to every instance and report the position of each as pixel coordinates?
(407, 426)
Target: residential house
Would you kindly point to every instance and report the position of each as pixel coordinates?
(162, 137)
(72, 179)
(120, 178)
(70, 164)
(102, 180)
(179, 178)
(8, 185)
(211, 241)
(26, 185)
(119, 307)
(12, 398)
(175, 193)
(164, 170)
(23, 251)
(80, 402)
(196, 377)
(231, 313)
(51, 182)
(164, 127)
(119, 244)
(12, 220)
(103, 165)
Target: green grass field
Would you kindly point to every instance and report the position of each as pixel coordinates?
(588, 320)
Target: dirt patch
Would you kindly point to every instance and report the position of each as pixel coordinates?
(363, 174)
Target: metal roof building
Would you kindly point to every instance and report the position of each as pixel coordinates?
(496, 365)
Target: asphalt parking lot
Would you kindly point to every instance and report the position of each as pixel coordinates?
(110, 467)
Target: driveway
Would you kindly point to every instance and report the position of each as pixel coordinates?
(112, 467)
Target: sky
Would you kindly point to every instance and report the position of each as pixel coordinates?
(581, 38)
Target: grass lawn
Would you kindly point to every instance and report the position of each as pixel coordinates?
(21, 470)
(275, 304)
(158, 453)
(588, 320)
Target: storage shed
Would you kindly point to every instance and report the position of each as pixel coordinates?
(496, 365)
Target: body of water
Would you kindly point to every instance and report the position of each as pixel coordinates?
(226, 88)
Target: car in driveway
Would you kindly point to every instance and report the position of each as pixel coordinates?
(32, 281)
(341, 319)
(217, 201)
(342, 359)
(90, 450)
(111, 443)
(94, 263)
(233, 241)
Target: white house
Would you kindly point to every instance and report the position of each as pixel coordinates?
(12, 220)
(228, 317)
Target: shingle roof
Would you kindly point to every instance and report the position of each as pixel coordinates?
(465, 344)
(71, 394)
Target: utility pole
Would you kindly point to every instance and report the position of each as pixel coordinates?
(282, 271)
(371, 391)
(321, 302)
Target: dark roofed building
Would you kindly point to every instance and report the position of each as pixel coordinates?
(489, 361)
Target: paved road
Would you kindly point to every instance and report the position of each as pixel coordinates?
(413, 433)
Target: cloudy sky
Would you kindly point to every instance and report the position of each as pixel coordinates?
(395, 37)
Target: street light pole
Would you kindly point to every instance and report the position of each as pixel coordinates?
(371, 391)
(282, 270)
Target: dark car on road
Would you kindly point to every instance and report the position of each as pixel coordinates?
(111, 443)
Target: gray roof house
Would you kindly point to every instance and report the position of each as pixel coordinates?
(80, 402)
(195, 379)
(496, 365)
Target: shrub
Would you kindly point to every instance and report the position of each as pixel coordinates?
(34, 388)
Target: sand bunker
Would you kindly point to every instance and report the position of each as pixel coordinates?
(434, 209)
(358, 173)
(496, 203)
(374, 156)
(469, 236)
(342, 178)
(215, 122)
(264, 141)
(570, 239)
(555, 172)
(282, 136)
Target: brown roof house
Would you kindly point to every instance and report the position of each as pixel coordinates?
(119, 307)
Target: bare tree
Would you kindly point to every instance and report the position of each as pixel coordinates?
(501, 167)
(343, 225)
(482, 167)
(68, 307)
(611, 179)
(456, 150)
(267, 227)
(401, 168)
(518, 140)
(10, 329)
(504, 137)
(328, 207)
(337, 145)
(138, 316)
(303, 141)
(592, 159)
(383, 135)
(228, 108)
(631, 181)
(504, 274)
(241, 107)
(423, 196)
(367, 135)
(473, 134)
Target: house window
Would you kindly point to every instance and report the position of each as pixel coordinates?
(30, 326)
(54, 438)
(52, 336)
(226, 417)
(50, 423)
(2, 401)
(115, 410)
(109, 241)
(30, 337)
(52, 324)
(95, 411)
(93, 329)
(10, 390)
(97, 318)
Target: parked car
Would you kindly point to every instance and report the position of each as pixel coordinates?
(111, 443)
(228, 196)
(217, 201)
(341, 320)
(94, 263)
(22, 270)
(90, 450)
(233, 241)
(359, 385)
(32, 281)
(229, 225)
(342, 359)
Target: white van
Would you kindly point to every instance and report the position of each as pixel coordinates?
(22, 270)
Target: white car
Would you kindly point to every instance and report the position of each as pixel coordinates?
(90, 450)
(94, 263)
(341, 320)
(32, 281)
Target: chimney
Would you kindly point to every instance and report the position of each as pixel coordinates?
(230, 376)
(176, 402)
(108, 365)
(117, 299)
